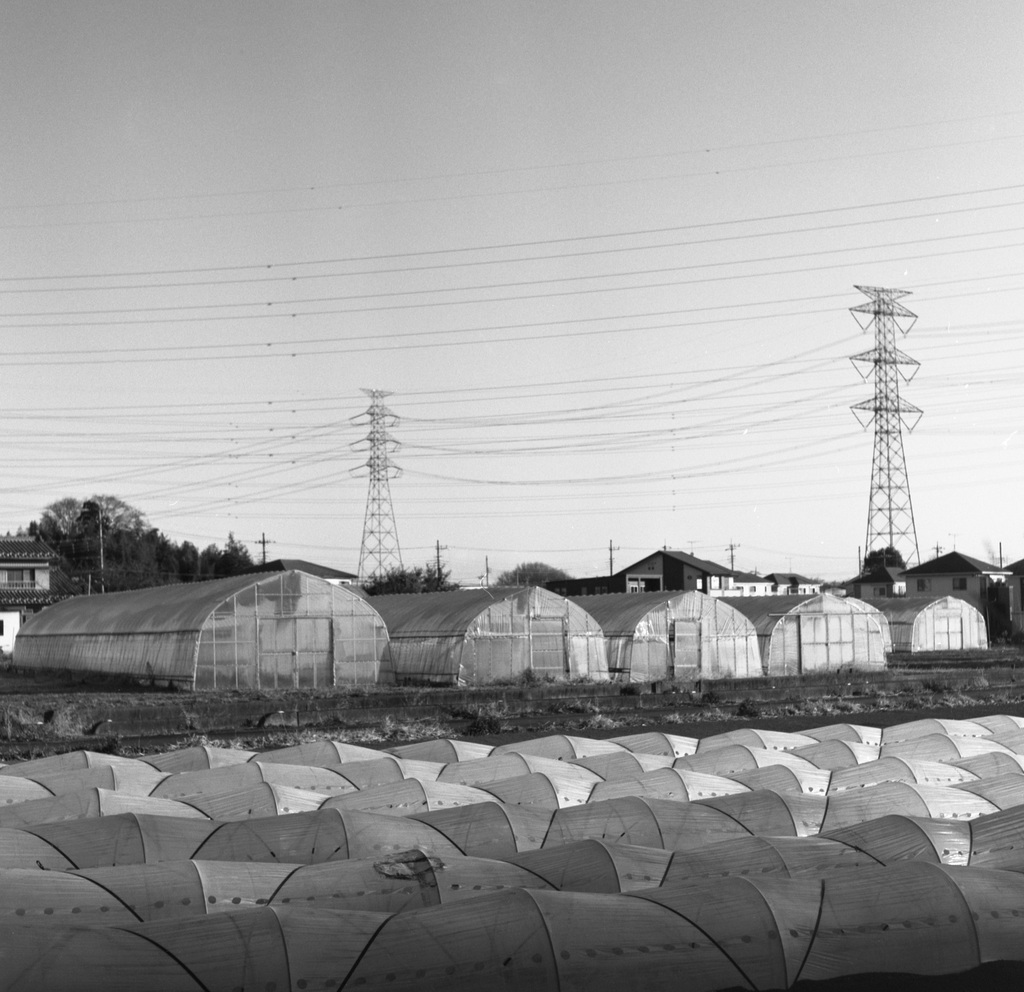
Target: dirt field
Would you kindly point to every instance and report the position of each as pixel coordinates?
(41, 716)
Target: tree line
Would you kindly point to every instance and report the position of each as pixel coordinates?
(104, 544)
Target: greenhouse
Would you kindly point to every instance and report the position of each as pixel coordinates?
(945, 624)
(257, 631)
(822, 633)
(665, 635)
(478, 636)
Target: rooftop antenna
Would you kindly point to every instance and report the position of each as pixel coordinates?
(380, 550)
(890, 511)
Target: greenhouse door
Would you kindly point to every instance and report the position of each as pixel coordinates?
(548, 645)
(686, 644)
(294, 652)
(826, 641)
(949, 634)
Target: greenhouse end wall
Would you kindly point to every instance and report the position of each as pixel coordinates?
(302, 633)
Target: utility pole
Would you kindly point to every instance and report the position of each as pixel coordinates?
(731, 548)
(380, 550)
(263, 541)
(487, 571)
(890, 511)
(611, 559)
(938, 550)
(438, 549)
(103, 579)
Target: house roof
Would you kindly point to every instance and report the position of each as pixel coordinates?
(298, 565)
(956, 563)
(887, 574)
(24, 549)
(791, 579)
(15, 597)
(701, 564)
(1017, 568)
(750, 577)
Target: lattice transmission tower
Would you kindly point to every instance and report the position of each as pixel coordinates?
(890, 511)
(380, 550)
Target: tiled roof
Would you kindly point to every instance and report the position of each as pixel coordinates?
(24, 549)
(14, 596)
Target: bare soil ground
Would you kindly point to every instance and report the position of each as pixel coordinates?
(46, 715)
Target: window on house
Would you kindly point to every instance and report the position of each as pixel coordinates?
(922, 585)
(960, 582)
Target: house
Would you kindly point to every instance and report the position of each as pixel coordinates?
(878, 582)
(984, 585)
(332, 575)
(792, 584)
(956, 574)
(1017, 595)
(749, 584)
(662, 571)
(25, 584)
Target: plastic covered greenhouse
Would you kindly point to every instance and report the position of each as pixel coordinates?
(816, 633)
(476, 636)
(944, 624)
(280, 630)
(664, 635)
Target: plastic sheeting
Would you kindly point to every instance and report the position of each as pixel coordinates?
(751, 859)
(477, 636)
(282, 630)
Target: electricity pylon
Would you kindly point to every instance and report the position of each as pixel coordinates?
(380, 550)
(890, 511)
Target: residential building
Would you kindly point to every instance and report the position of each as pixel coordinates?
(792, 584)
(984, 585)
(25, 584)
(1017, 595)
(878, 582)
(749, 584)
(662, 571)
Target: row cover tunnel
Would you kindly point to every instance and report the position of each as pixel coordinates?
(295, 630)
(747, 889)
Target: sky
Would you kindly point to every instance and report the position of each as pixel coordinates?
(601, 255)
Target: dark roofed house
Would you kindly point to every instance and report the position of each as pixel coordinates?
(984, 585)
(792, 584)
(1017, 595)
(878, 582)
(28, 582)
(662, 571)
(310, 568)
